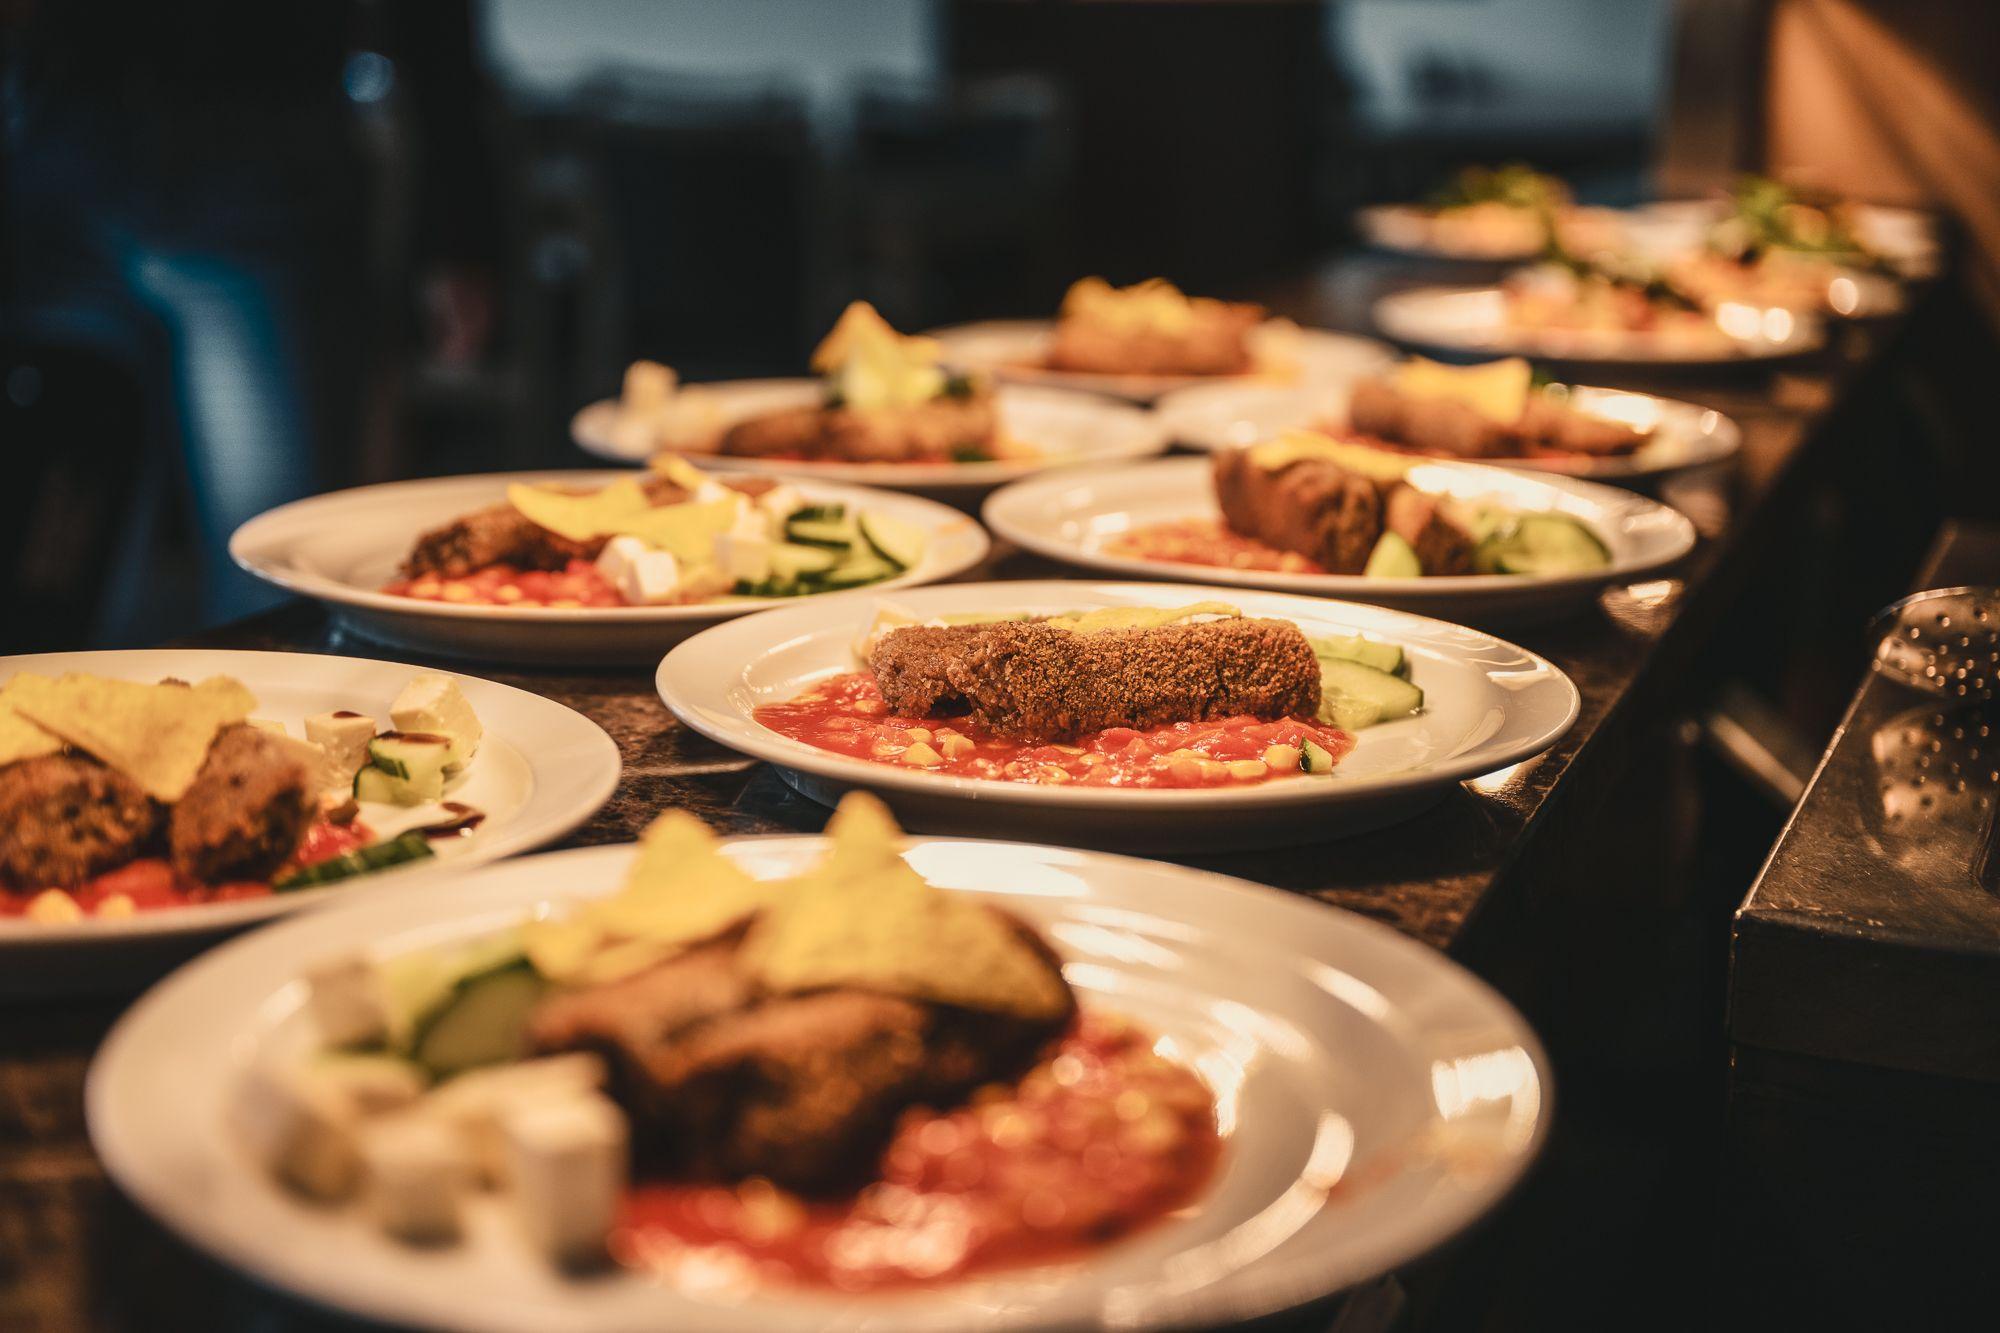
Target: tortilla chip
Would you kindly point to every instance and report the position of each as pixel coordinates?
(157, 735)
(680, 891)
(865, 918)
(579, 517)
(20, 738)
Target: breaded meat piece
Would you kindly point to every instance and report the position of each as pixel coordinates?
(723, 1081)
(1431, 425)
(1215, 342)
(1315, 507)
(246, 811)
(1443, 544)
(937, 431)
(65, 818)
(501, 534)
(1033, 681)
(1553, 425)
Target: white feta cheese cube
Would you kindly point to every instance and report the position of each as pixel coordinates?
(475, 1102)
(344, 737)
(781, 502)
(348, 1001)
(744, 557)
(566, 1159)
(303, 1120)
(654, 577)
(618, 556)
(415, 1173)
(433, 702)
(750, 521)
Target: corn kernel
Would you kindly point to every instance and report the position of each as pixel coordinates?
(1185, 767)
(53, 907)
(424, 588)
(508, 593)
(1282, 757)
(1213, 770)
(1050, 773)
(1245, 769)
(917, 735)
(118, 904)
(457, 592)
(956, 745)
(868, 706)
(921, 755)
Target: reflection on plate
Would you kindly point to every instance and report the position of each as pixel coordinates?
(1476, 320)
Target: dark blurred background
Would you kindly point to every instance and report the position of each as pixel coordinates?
(256, 251)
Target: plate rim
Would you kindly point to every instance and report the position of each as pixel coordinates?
(1352, 587)
(1296, 1283)
(206, 918)
(740, 733)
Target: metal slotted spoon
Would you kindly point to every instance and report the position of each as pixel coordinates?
(1945, 642)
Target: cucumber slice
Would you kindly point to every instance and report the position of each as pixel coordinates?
(484, 1021)
(1392, 558)
(400, 850)
(810, 513)
(1353, 648)
(385, 788)
(901, 544)
(856, 573)
(1314, 758)
(791, 561)
(418, 757)
(1555, 544)
(837, 532)
(1353, 696)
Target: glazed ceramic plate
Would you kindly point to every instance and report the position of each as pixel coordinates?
(1014, 351)
(1488, 704)
(1060, 428)
(1473, 320)
(1406, 230)
(1076, 517)
(541, 770)
(1374, 1097)
(342, 548)
(1219, 416)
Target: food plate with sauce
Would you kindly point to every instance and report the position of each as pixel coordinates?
(1371, 1098)
(348, 548)
(1476, 320)
(1042, 428)
(1015, 351)
(1462, 704)
(540, 769)
(1114, 519)
(1682, 435)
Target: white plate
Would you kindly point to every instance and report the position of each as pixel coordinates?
(1073, 517)
(541, 770)
(1221, 416)
(1405, 229)
(1474, 319)
(1488, 704)
(1341, 1054)
(1014, 349)
(341, 548)
(1065, 428)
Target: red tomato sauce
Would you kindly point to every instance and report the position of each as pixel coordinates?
(847, 716)
(1207, 541)
(1101, 1140)
(150, 883)
(579, 584)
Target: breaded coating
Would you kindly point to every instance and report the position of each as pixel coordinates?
(65, 818)
(937, 431)
(1376, 407)
(501, 534)
(1215, 342)
(1032, 681)
(1312, 506)
(248, 808)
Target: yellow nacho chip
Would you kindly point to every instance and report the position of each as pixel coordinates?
(864, 917)
(680, 891)
(1496, 390)
(1293, 445)
(20, 738)
(579, 517)
(157, 735)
